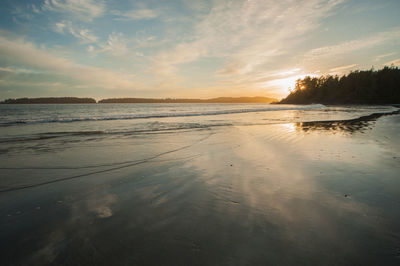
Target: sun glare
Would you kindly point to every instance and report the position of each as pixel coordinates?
(284, 85)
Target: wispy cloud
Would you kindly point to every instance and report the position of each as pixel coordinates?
(60, 27)
(22, 13)
(350, 46)
(117, 45)
(83, 34)
(6, 69)
(380, 57)
(17, 70)
(22, 54)
(286, 72)
(85, 10)
(342, 68)
(135, 14)
(248, 36)
(35, 9)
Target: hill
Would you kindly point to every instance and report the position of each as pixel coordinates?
(47, 100)
(170, 100)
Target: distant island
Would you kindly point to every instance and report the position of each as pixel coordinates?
(48, 100)
(358, 87)
(66, 100)
(171, 100)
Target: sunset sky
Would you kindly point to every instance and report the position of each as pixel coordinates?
(188, 48)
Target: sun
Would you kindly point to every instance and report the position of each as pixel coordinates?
(284, 85)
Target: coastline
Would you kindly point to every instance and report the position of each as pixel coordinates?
(76, 100)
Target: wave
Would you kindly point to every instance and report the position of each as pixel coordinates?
(159, 115)
(99, 133)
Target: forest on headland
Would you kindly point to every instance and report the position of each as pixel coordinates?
(359, 87)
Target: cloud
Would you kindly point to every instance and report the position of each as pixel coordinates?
(17, 53)
(22, 14)
(115, 45)
(85, 10)
(350, 46)
(341, 68)
(248, 36)
(60, 27)
(85, 35)
(6, 69)
(17, 70)
(380, 57)
(136, 14)
(286, 72)
(35, 9)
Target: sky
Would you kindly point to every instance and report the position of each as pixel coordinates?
(188, 48)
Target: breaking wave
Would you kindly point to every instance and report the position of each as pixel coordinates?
(158, 115)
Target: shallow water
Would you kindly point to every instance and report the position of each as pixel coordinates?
(307, 186)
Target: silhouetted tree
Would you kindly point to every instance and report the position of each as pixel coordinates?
(358, 87)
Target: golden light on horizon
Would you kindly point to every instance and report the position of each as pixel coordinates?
(284, 85)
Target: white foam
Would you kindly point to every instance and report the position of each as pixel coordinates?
(164, 115)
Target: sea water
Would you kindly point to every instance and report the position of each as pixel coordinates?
(46, 121)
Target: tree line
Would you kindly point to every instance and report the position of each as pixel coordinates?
(47, 100)
(177, 100)
(57, 100)
(359, 87)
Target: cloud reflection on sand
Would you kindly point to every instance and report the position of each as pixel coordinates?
(267, 184)
(286, 188)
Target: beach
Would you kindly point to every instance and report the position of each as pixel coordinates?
(213, 185)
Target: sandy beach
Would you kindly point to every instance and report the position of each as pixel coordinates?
(302, 193)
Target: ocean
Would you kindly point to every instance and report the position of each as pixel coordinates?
(47, 121)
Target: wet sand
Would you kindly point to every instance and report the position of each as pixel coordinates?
(313, 193)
